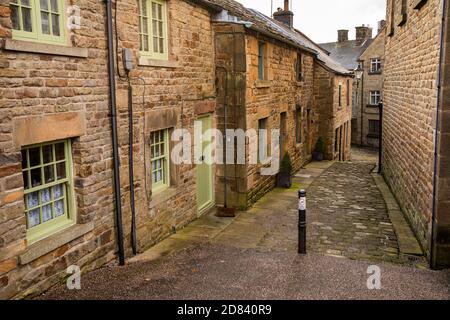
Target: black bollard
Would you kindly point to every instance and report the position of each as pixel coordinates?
(302, 222)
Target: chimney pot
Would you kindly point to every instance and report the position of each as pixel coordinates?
(285, 16)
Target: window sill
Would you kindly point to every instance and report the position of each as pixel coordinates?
(263, 84)
(162, 197)
(372, 73)
(53, 242)
(299, 83)
(147, 62)
(34, 47)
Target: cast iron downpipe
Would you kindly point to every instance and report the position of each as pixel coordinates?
(433, 263)
(131, 169)
(116, 161)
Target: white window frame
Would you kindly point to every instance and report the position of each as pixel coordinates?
(149, 50)
(375, 97)
(375, 65)
(160, 161)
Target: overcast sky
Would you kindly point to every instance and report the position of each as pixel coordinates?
(320, 19)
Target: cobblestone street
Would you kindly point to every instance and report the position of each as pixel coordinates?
(349, 228)
(348, 215)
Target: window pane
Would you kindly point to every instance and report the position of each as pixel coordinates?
(44, 5)
(154, 10)
(36, 177)
(35, 157)
(58, 192)
(145, 25)
(54, 4)
(47, 153)
(59, 151)
(155, 27)
(146, 40)
(32, 200)
(25, 180)
(45, 196)
(15, 18)
(33, 218)
(26, 20)
(55, 25)
(59, 208)
(45, 22)
(61, 171)
(144, 8)
(161, 45)
(159, 11)
(160, 29)
(155, 44)
(25, 2)
(49, 174)
(24, 159)
(47, 213)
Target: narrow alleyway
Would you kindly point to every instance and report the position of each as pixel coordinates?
(253, 256)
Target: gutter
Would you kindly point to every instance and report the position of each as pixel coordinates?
(115, 145)
(436, 141)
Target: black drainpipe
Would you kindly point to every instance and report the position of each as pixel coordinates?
(116, 161)
(131, 169)
(436, 141)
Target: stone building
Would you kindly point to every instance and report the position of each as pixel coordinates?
(278, 79)
(416, 131)
(366, 117)
(368, 54)
(60, 202)
(56, 133)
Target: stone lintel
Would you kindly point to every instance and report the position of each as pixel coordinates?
(45, 128)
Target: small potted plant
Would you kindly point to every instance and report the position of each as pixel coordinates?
(319, 151)
(284, 178)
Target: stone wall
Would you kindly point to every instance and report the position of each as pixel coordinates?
(332, 116)
(278, 93)
(410, 99)
(40, 88)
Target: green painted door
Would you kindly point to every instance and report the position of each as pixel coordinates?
(204, 168)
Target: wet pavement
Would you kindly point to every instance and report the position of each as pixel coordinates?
(254, 256)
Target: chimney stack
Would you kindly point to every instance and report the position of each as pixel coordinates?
(362, 34)
(342, 35)
(285, 15)
(381, 25)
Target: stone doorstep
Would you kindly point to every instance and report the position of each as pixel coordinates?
(408, 244)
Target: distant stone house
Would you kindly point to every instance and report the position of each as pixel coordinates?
(366, 110)
(368, 54)
(274, 83)
(58, 201)
(416, 131)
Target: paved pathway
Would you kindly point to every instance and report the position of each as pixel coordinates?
(254, 256)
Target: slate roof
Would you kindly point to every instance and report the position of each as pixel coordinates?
(275, 29)
(346, 53)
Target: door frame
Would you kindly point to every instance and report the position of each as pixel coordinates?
(206, 207)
